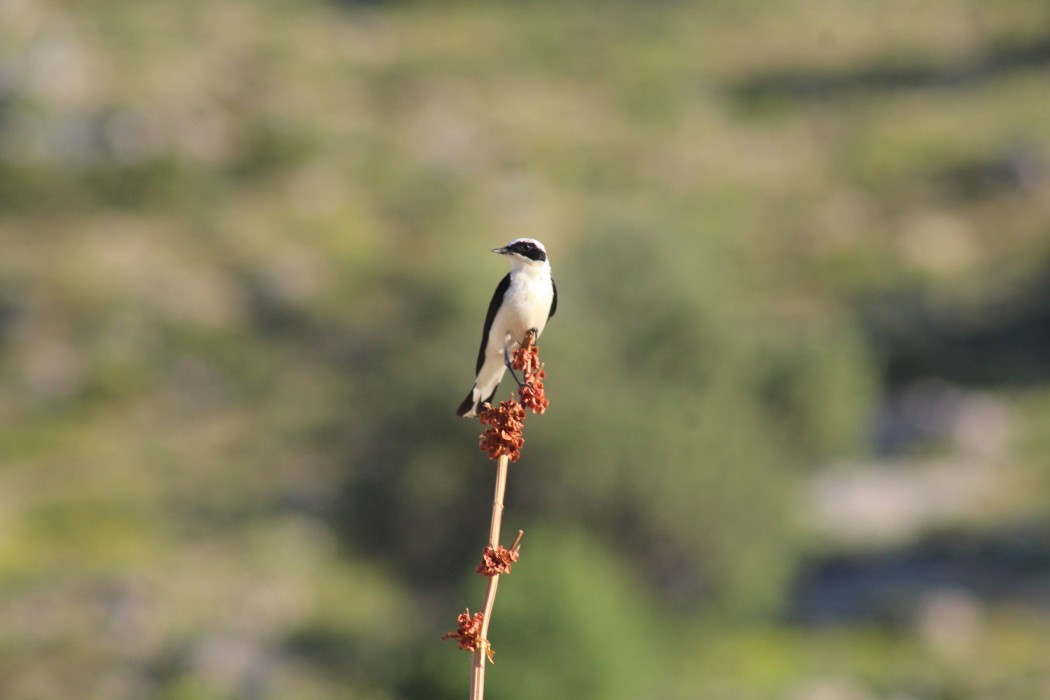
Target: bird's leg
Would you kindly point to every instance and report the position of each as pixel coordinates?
(510, 366)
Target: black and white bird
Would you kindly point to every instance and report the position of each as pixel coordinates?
(523, 301)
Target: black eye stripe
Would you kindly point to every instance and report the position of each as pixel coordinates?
(528, 249)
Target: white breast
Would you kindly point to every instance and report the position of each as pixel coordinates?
(526, 305)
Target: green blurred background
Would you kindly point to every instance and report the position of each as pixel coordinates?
(799, 437)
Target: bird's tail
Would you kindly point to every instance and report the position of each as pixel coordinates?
(469, 407)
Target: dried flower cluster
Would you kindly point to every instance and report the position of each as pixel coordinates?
(505, 422)
(468, 635)
(527, 359)
(498, 561)
(532, 395)
(503, 436)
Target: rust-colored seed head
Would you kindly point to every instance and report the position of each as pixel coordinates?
(503, 436)
(527, 359)
(505, 422)
(532, 394)
(497, 561)
(468, 634)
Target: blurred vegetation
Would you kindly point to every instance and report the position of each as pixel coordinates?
(244, 268)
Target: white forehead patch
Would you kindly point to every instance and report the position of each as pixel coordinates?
(533, 241)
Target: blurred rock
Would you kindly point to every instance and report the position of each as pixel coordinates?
(949, 620)
(932, 412)
(832, 688)
(877, 503)
(125, 683)
(60, 71)
(236, 666)
(933, 584)
(54, 370)
(939, 242)
(1023, 168)
(896, 497)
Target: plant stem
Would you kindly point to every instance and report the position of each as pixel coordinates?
(477, 676)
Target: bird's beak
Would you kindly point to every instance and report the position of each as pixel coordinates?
(501, 251)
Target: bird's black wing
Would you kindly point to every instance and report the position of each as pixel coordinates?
(554, 302)
(497, 300)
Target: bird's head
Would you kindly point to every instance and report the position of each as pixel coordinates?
(524, 252)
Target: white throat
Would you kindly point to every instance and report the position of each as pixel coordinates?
(530, 268)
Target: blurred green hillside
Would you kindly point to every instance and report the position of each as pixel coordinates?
(799, 376)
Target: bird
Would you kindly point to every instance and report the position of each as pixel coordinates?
(524, 300)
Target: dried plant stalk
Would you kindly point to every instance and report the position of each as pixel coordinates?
(502, 441)
(477, 676)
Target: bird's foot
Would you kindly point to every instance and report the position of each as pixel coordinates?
(510, 366)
